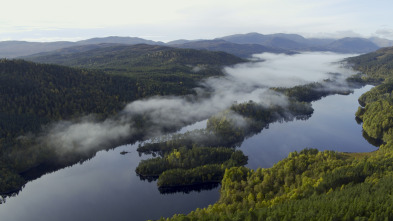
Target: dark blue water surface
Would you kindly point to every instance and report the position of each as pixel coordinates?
(332, 126)
(107, 188)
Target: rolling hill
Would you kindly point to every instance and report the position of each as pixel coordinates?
(132, 57)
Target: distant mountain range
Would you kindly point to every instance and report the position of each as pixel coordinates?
(12, 49)
(241, 50)
(299, 43)
(242, 45)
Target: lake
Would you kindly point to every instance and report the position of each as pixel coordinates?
(107, 188)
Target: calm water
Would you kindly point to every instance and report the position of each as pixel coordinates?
(107, 188)
(331, 127)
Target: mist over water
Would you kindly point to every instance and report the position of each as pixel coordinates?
(242, 82)
(280, 70)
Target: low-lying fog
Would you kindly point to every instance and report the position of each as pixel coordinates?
(243, 82)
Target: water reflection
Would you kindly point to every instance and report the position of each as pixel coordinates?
(188, 189)
(103, 188)
(147, 178)
(372, 141)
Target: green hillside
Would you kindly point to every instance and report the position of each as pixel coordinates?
(376, 66)
(161, 69)
(51, 92)
(33, 95)
(376, 111)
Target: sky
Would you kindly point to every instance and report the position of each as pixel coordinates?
(158, 20)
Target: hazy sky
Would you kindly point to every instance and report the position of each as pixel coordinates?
(49, 20)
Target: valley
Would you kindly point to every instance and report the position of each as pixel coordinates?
(196, 110)
(74, 110)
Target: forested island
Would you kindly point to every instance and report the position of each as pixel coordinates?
(321, 185)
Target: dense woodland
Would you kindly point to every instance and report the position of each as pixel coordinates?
(193, 166)
(314, 185)
(376, 110)
(34, 95)
(304, 186)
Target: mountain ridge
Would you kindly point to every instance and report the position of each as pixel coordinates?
(276, 43)
(13, 49)
(298, 42)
